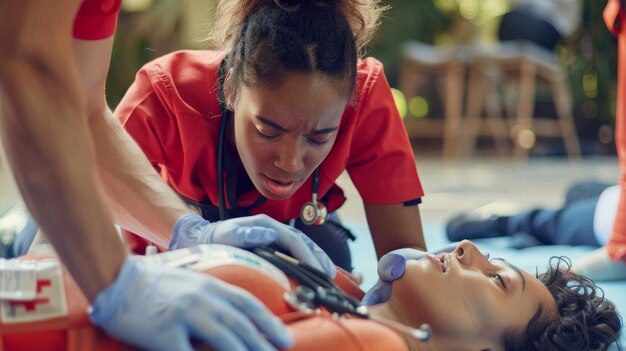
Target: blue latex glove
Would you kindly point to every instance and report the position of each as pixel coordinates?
(390, 268)
(249, 232)
(159, 308)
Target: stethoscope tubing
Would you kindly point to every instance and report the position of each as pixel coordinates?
(220, 165)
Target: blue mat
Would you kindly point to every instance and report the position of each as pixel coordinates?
(364, 259)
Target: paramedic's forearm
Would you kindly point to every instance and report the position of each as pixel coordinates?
(395, 226)
(44, 132)
(57, 183)
(140, 199)
(150, 207)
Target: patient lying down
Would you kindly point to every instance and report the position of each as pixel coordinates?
(473, 303)
(469, 302)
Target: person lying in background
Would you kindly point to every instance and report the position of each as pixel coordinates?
(469, 302)
(585, 218)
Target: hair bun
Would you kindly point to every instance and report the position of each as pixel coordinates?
(289, 5)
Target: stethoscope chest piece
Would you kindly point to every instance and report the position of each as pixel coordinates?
(313, 213)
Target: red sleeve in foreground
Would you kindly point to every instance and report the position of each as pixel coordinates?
(615, 20)
(96, 19)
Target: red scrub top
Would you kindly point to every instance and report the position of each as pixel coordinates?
(615, 19)
(96, 19)
(172, 112)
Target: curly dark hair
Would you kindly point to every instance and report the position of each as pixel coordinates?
(586, 319)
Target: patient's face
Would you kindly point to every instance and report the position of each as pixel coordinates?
(463, 295)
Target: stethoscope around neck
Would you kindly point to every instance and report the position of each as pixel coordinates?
(312, 213)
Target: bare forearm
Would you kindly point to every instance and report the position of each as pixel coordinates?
(52, 162)
(140, 199)
(43, 128)
(395, 226)
(150, 207)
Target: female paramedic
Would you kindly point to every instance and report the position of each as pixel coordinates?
(77, 170)
(267, 124)
(456, 300)
(609, 262)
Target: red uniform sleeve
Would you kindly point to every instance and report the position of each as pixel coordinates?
(382, 164)
(149, 120)
(171, 110)
(96, 19)
(615, 21)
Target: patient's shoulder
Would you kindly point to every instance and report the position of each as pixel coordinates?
(324, 332)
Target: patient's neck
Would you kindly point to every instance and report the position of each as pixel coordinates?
(395, 311)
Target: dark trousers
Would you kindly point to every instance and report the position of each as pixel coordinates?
(571, 224)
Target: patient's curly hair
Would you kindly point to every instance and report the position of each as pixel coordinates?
(586, 320)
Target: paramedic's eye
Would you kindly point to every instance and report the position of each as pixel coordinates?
(266, 136)
(317, 141)
(498, 277)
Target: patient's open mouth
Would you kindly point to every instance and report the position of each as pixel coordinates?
(442, 262)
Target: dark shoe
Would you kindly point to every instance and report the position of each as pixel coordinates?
(473, 226)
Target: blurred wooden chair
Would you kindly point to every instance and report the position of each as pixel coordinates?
(421, 61)
(525, 65)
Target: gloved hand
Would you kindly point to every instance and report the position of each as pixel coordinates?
(159, 308)
(249, 232)
(390, 268)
